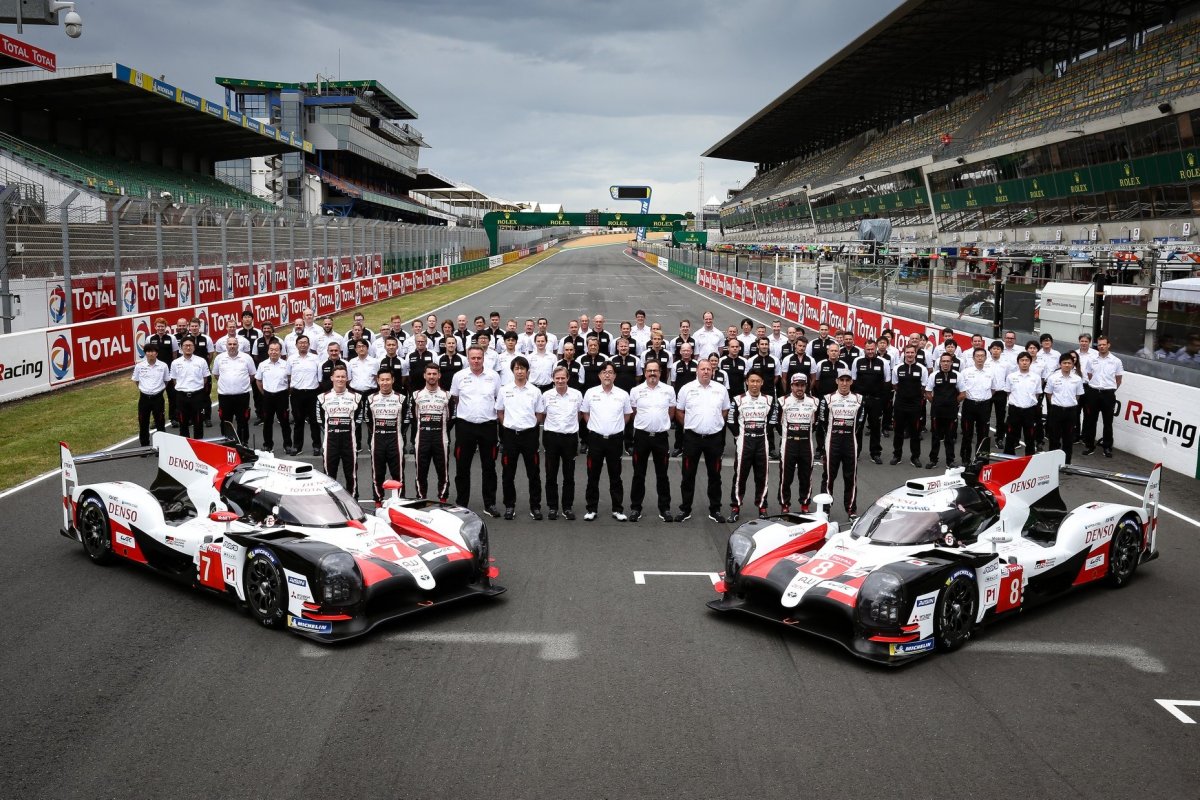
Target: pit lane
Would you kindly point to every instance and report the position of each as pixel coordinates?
(124, 684)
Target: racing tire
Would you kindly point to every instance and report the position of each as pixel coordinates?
(954, 618)
(1124, 553)
(265, 588)
(94, 531)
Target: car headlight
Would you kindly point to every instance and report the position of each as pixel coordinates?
(475, 534)
(740, 548)
(341, 585)
(881, 600)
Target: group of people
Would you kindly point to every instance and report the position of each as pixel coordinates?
(525, 397)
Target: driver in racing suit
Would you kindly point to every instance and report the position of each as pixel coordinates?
(430, 415)
(750, 416)
(336, 413)
(385, 418)
(798, 418)
(842, 415)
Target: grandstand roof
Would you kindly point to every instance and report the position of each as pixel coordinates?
(147, 106)
(925, 54)
(388, 102)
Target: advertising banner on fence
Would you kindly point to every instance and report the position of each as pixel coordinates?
(35, 361)
(1158, 424)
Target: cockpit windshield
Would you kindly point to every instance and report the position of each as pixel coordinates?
(331, 507)
(886, 524)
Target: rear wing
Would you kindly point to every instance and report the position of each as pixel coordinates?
(69, 465)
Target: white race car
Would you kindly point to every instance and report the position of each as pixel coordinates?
(929, 562)
(277, 536)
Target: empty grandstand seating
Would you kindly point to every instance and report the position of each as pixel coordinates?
(914, 138)
(114, 176)
(1117, 80)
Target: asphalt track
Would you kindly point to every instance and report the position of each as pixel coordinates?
(581, 682)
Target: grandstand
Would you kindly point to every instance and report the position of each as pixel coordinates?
(1072, 113)
(57, 129)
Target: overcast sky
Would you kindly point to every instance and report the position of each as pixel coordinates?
(525, 99)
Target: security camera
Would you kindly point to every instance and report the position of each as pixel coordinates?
(73, 24)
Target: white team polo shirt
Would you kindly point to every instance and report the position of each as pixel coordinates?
(1064, 390)
(606, 410)
(189, 373)
(233, 374)
(562, 410)
(151, 378)
(652, 407)
(476, 395)
(703, 407)
(274, 375)
(520, 405)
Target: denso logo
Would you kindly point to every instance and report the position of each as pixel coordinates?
(181, 463)
(1100, 534)
(123, 512)
(1021, 486)
(96, 349)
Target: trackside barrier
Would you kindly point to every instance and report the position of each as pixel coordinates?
(38, 361)
(1155, 419)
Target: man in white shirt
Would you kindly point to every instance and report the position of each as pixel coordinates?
(476, 390)
(311, 329)
(289, 341)
(978, 382)
(1024, 398)
(520, 408)
(320, 343)
(305, 386)
(1064, 387)
(560, 440)
(541, 363)
(702, 406)
(605, 409)
(640, 332)
(1105, 378)
(708, 339)
(653, 404)
(273, 377)
(525, 343)
(189, 373)
(362, 370)
(234, 371)
(543, 326)
(151, 376)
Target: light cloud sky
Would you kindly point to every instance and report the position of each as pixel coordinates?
(527, 99)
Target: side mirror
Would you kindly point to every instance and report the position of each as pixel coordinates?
(394, 487)
(228, 517)
(823, 502)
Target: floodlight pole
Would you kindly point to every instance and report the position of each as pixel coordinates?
(63, 217)
(5, 295)
(118, 206)
(158, 255)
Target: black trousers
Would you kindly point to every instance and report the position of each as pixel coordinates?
(750, 456)
(944, 430)
(795, 462)
(258, 412)
(191, 412)
(208, 395)
(874, 409)
(1021, 422)
(1000, 405)
(275, 406)
(149, 405)
(172, 404)
(649, 447)
(521, 446)
(561, 449)
(469, 437)
(235, 409)
(1060, 428)
(709, 449)
(604, 452)
(907, 425)
(387, 455)
(304, 409)
(975, 415)
(1103, 406)
(431, 447)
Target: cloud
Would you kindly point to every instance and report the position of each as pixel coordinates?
(527, 100)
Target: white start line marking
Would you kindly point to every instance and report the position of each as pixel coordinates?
(1173, 707)
(639, 576)
(551, 646)
(1135, 657)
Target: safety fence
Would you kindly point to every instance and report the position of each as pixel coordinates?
(1155, 418)
(49, 358)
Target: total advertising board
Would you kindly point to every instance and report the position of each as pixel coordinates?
(95, 297)
(1155, 419)
(36, 361)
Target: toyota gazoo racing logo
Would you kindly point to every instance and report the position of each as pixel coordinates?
(129, 296)
(60, 357)
(58, 304)
(141, 331)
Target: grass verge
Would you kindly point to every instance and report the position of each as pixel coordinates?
(100, 413)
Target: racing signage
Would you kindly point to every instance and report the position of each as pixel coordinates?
(1158, 424)
(26, 53)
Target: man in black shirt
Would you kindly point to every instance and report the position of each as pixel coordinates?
(333, 352)
(629, 371)
(734, 366)
(944, 395)
(166, 344)
(449, 363)
(872, 377)
(907, 406)
(683, 372)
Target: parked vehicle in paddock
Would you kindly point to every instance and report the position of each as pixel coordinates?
(931, 561)
(278, 537)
